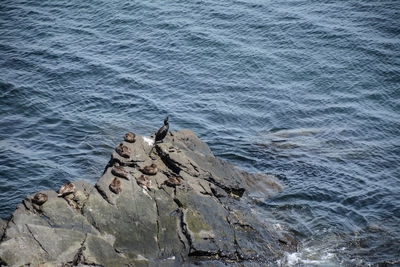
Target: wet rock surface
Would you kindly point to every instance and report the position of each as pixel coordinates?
(203, 219)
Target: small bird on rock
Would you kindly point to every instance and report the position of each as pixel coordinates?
(66, 189)
(119, 171)
(123, 151)
(39, 198)
(173, 181)
(130, 137)
(144, 182)
(116, 186)
(149, 170)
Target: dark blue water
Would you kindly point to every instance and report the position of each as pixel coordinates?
(305, 90)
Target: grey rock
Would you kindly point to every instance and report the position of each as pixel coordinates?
(22, 250)
(3, 225)
(205, 220)
(99, 251)
(58, 243)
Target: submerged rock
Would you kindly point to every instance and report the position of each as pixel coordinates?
(203, 219)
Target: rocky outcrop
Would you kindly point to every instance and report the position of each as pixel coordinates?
(195, 212)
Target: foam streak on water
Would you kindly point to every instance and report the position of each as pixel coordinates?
(305, 90)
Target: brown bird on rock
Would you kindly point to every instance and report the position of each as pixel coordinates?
(39, 198)
(144, 182)
(119, 171)
(123, 151)
(116, 186)
(130, 137)
(149, 170)
(66, 189)
(173, 181)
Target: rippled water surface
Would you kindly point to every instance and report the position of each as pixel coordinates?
(305, 90)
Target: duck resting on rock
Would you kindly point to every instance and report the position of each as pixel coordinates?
(39, 198)
(116, 186)
(119, 171)
(173, 181)
(123, 151)
(144, 182)
(130, 137)
(66, 189)
(149, 170)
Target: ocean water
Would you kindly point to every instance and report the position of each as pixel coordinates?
(305, 90)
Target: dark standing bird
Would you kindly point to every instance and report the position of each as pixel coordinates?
(162, 132)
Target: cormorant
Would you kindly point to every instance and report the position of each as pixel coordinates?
(162, 132)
